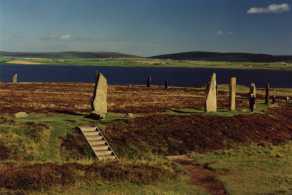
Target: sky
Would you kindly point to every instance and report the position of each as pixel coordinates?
(147, 27)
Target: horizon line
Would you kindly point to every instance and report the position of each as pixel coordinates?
(162, 54)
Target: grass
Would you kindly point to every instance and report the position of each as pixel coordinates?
(3, 59)
(260, 91)
(178, 186)
(125, 177)
(261, 108)
(37, 139)
(249, 169)
(146, 62)
(252, 169)
(60, 125)
(55, 126)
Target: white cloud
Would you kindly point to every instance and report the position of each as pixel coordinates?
(65, 37)
(270, 9)
(220, 32)
(57, 37)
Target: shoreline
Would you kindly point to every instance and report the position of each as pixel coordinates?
(149, 63)
(148, 66)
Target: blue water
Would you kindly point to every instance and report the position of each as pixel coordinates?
(125, 75)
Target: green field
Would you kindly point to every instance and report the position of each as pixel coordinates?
(252, 169)
(146, 62)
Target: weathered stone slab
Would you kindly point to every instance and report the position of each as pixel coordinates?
(267, 96)
(166, 84)
(148, 83)
(21, 115)
(211, 99)
(252, 97)
(131, 115)
(99, 104)
(232, 95)
(15, 78)
(253, 89)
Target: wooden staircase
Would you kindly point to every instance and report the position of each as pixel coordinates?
(98, 143)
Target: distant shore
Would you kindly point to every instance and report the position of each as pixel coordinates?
(148, 62)
(24, 62)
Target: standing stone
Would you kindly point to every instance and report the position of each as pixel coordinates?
(232, 95)
(267, 97)
(253, 89)
(15, 78)
(273, 99)
(287, 99)
(21, 115)
(211, 99)
(149, 79)
(165, 84)
(99, 103)
(252, 97)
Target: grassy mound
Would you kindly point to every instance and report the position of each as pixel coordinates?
(25, 139)
(172, 135)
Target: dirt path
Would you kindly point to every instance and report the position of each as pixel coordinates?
(201, 176)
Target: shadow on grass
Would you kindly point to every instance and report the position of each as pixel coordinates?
(261, 108)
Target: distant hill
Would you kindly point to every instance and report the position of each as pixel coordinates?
(196, 55)
(218, 56)
(69, 54)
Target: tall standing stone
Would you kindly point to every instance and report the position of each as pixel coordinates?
(15, 78)
(267, 97)
(252, 97)
(211, 99)
(232, 95)
(148, 82)
(253, 90)
(99, 103)
(166, 84)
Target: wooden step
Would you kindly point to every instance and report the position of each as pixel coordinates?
(100, 148)
(107, 158)
(94, 138)
(96, 135)
(88, 129)
(98, 143)
(103, 153)
(91, 133)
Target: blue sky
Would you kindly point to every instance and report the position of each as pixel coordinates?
(146, 27)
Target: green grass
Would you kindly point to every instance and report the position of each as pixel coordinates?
(239, 88)
(50, 128)
(261, 108)
(3, 59)
(146, 62)
(260, 91)
(178, 186)
(39, 135)
(249, 169)
(57, 126)
(252, 169)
